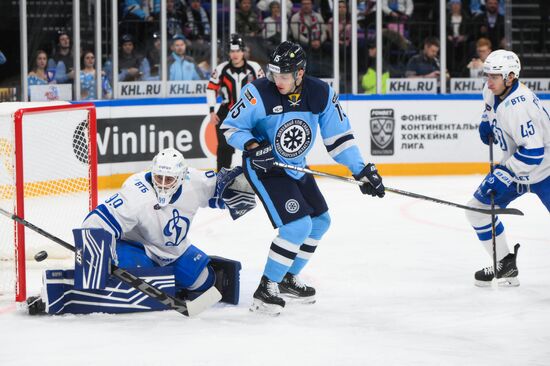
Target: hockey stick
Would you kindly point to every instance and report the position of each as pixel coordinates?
(494, 282)
(496, 211)
(187, 308)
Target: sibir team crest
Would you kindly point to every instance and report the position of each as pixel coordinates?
(292, 206)
(293, 138)
(382, 124)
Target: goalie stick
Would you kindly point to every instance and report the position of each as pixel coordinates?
(496, 211)
(187, 308)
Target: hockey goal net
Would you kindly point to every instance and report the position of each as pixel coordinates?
(48, 176)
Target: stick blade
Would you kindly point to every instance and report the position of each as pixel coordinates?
(508, 211)
(203, 302)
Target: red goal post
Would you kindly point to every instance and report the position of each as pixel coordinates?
(48, 175)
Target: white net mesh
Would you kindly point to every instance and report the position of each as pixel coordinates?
(56, 183)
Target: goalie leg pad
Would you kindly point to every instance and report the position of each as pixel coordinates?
(93, 253)
(61, 297)
(227, 278)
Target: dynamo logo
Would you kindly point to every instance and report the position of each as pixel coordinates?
(176, 229)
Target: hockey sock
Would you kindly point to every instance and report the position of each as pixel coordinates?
(485, 235)
(320, 225)
(483, 228)
(285, 246)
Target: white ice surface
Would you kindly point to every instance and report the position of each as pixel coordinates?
(394, 279)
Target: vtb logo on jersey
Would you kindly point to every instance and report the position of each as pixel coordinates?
(293, 138)
(382, 123)
(176, 229)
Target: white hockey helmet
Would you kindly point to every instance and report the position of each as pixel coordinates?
(502, 62)
(168, 171)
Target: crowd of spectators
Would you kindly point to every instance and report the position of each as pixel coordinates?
(474, 27)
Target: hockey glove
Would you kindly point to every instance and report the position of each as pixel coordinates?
(498, 183)
(261, 157)
(373, 185)
(486, 132)
(235, 192)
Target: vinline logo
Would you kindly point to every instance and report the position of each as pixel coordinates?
(140, 138)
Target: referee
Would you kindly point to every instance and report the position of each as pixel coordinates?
(228, 79)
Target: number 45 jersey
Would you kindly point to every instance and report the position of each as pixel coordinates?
(290, 123)
(133, 214)
(521, 126)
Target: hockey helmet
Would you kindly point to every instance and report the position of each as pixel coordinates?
(502, 62)
(288, 57)
(168, 171)
(236, 43)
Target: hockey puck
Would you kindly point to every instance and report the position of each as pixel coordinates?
(40, 256)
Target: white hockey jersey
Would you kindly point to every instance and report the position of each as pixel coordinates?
(521, 126)
(133, 214)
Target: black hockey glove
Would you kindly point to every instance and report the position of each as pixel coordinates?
(373, 185)
(261, 157)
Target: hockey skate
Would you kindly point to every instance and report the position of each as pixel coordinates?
(266, 298)
(296, 290)
(507, 272)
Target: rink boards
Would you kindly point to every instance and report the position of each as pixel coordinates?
(402, 134)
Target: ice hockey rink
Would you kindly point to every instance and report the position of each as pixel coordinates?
(394, 280)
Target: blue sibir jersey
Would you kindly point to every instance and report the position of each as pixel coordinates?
(290, 123)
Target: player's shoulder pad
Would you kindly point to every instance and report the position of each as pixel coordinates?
(255, 93)
(518, 97)
(269, 95)
(264, 87)
(201, 176)
(137, 182)
(136, 187)
(317, 93)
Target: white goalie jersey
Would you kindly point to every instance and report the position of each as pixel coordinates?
(133, 214)
(521, 126)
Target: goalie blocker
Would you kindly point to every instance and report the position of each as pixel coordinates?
(89, 288)
(235, 191)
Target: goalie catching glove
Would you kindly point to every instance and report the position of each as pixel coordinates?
(235, 191)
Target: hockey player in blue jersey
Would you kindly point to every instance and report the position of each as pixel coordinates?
(515, 120)
(277, 119)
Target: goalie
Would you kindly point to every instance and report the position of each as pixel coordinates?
(144, 228)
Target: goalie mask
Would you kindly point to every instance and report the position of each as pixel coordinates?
(168, 171)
